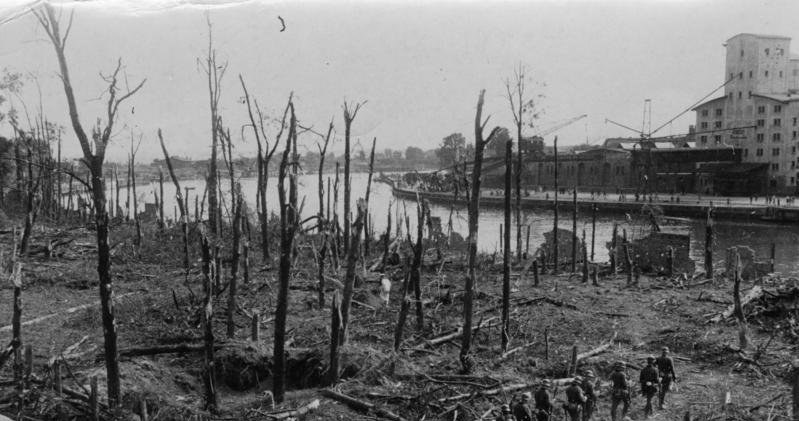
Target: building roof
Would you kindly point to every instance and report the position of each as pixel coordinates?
(759, 36)
(708, 102)
(782, 97)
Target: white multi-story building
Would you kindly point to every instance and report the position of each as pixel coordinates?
(760, 107)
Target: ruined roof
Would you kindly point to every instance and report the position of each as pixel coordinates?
(708, 102)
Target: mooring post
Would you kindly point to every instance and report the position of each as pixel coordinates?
(593, 229)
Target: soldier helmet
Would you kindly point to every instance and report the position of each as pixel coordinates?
(577, 380)
(526, 396)
(546, 383)
(665, 349)
(650, 359)
(505, 409)
(619, 365)
(589, 374)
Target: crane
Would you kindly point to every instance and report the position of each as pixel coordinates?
(560, 125)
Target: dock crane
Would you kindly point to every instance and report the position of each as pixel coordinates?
(560, 125)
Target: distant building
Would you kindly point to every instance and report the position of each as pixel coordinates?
(759, 110)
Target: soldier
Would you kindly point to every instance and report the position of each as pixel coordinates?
(505, 414)
(543, 401)
(590, 395)
(575, 399)
(620, 391)
(523, 411)
(665, 367)
(649, 383)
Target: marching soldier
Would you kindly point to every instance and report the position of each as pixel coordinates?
(649, 384)
(543, 401)
(590, 395)
(620, 391)
(575, 399)
(523, 410)
(505, 414)
(665, 366)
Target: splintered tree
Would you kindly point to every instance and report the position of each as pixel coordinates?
(350, 113)
(215, 72)
(265, 154)
(474, 213)
(506, 249)
(288, 227)
(367, 234)
(94, 156)
(184, 213)
(321, 220)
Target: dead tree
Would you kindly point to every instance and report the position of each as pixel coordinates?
(506, 254)
(335, 334)
(555, 257)
(184, 213)
(214, 72)
(405, 306)
(350, 113)
(234, 265)
(265, 153)
(474, 213)
(422, 213)
(209, 369)
(352, 261)
(367, 234)
(161, 216)
(94, 158)
(574, 230)
(734, 258)
(132, 158)
(288, 227)
(709, 246)
(321, 219)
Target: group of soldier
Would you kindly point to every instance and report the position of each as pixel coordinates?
(581, 397)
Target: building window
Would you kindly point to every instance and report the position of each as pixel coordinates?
(703, 139)
(766, 73)
(794, 121)
(717, 138)
(704, 113)
(794, 134)
(796, 72)
(778, 108)
(761, 109)
(740, 75)
(775, 167)
(742, 52)
(761, 122)
(750, 74)
(717, 124)
(777, 122)
(750, 94)
(759, 152)
(792, 181)
(703, 124)
(719, 111)
(760, 137)
(746, 152)
(775, 152)
(731, 76)
(776, 137)
(793, 150)
(767, 51)
(780, 73)
(740, 94)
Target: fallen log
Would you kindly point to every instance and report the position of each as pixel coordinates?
(503, 389)
(455, 335)
(598, 350)
(360, 405)
(295, 413)
(65, 312)
(753, 293)
(510, 352)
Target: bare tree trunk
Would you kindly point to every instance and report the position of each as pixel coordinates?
(209, 369)
(288, 226)
(349, 116)
(403, 314)
(474, 213)
(387, 237)
(161, 216)
(349, 280)
(505, 332)
(367, 232)
(613, 246)
(555, 257)
(416, 268)
(335, 335)
(322, 222)
(234, 264)
(136, 219)
(336, 226)
(574, 230)
(709, 247)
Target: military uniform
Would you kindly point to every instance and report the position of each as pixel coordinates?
(590, 396)
(522, 410)
(620, 392)
(665, 366)
(574, 400)
(649, 384)
(543, 403)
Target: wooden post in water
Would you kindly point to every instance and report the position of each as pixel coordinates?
(555, 223)
(593, 229)
(574, 230)
(709, 247)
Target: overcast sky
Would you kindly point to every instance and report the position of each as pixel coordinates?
(420, 65)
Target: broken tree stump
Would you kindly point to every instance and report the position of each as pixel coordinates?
(360, 405)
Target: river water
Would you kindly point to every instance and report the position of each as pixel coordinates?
(758, 236)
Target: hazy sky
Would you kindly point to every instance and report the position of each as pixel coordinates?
(420, 65)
